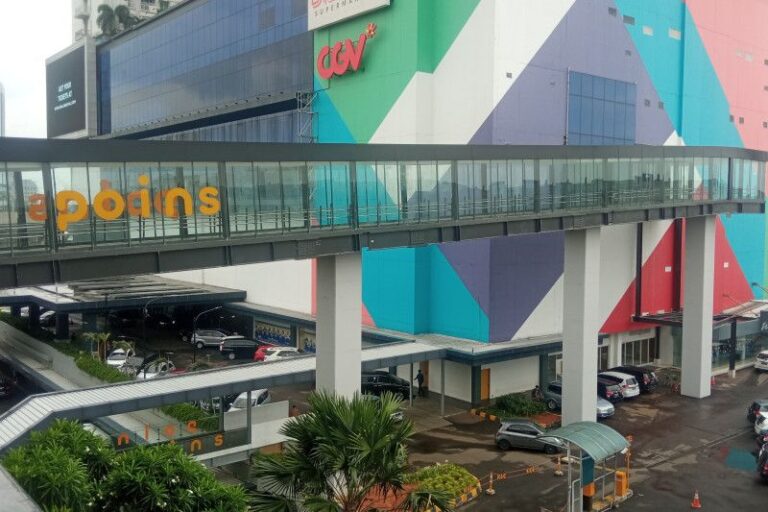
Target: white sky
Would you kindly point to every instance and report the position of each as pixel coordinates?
(30, 32)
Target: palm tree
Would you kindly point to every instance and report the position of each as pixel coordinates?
(101, 339)
(123, 15)
(106, 20)
(338, 458)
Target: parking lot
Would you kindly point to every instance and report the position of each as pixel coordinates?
(679, 445)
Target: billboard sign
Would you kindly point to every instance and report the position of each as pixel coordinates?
(321, 13)
(344, 55)
(65, 93)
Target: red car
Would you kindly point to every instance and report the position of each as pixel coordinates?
(261, 352)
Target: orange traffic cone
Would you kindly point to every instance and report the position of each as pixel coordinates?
(696, 503)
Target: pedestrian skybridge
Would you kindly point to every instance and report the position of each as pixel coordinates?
(72, 210)
(38, 411)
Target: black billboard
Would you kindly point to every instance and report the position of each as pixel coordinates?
(65, 93)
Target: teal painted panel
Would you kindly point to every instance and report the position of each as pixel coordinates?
(681, 72)
(454, 311)
(389, 280)
(330, 127)
(743, 231)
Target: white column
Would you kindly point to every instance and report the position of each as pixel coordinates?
(339, 315)
(614, 350)
(581, 322)
(698, 291)
(666, 346)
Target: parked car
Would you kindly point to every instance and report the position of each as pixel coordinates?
(396, 416)
(48, 319)
(160, 321)
(124, 318)
(278, 353)
(214, 405)
(258, 397)
(761, 425)
(761, 361)
(609, 390)
(645, 377)
(605, 409)
(237, 347)
(119, 357)
(553, 398)
(629, 386)
(526, 434)
(378, 382)
(156, 369)
(7, 386)
(211, 337)
(762, 462)
(756, 408)
(261, 352)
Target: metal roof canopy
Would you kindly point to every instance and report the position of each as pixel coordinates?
(597, 440)
(117, 293)
(38, 411)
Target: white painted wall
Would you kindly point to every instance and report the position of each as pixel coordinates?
(458, 379)
(513, 376)
(282, 284)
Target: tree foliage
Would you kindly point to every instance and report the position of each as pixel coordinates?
(106, 20)
(68, 468)
(337, 457)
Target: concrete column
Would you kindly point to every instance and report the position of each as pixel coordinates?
(614, 350)
(90, 322)
(62, 326)
(698, 290)
(339, 315)
(442, 388)
(34, 316)
(666, 346)
(16, 311)
(580, 324)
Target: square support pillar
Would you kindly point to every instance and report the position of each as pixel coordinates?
(698, 289)
(581, 321)
(34, 316)
(339, 318)
(62, 326)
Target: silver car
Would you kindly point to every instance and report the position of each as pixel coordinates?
(210, 337)
(553, 398)
(526, 434)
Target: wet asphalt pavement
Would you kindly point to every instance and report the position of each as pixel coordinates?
(679, 445)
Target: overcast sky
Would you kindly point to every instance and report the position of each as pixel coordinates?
(29, 33)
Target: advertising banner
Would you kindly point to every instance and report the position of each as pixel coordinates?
(65, 93)
(321, 13)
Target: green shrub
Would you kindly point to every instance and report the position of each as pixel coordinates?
(516, 405)
(449, 479)
(100, 369)
(66, 468)
(187, 412)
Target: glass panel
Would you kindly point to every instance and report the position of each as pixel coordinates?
(445, 189)
(73, 195)
(107, 189)
(466, 178)
(294, 208)
(241, 197)
(546, 185)
(428, 191)
(389, 197)
(174, 201)
(480, 188)
(409, 179)
(5, 211)
(26, 205)
(143, 201)
(498, 187)
(269, 196)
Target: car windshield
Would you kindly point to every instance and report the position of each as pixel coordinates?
(270, 351)
(241, 402)
(117, 355)
(632, 382)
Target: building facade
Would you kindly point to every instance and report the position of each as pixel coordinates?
(576, 72)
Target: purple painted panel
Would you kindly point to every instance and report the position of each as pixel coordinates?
(589, 40)
(523, 269)
(471, 260)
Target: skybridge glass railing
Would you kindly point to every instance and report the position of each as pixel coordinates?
(59, 205)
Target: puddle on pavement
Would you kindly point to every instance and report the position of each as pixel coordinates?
(741, 459)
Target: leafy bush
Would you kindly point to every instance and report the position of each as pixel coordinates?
(66, 468)
(100, 370)
(154, 478)
(449, 479)
(516, 405)
(187, 412)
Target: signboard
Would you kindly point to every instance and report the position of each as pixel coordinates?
(321, 13)
(343, 55)
(65, 93)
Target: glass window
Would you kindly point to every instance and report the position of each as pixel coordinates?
(445, 189)
(269, 196)
(241, 196)
(26, 206)
(294, 208)
(600, 111)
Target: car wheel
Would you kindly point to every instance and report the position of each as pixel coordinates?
(549, 449)
(199, 344)
(231, 356)
(504, 445)
(551, 405)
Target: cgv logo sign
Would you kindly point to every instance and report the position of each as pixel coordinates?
(343, 56)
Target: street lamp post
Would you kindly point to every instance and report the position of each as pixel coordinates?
(144, 316)
(194, 330)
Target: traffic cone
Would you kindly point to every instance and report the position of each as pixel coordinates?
(696, 503)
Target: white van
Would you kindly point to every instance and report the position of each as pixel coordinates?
(629, 386)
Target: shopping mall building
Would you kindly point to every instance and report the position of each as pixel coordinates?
(573, 72)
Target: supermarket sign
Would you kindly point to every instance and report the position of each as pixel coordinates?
(321, 13)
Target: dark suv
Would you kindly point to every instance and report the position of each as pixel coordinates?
(609, 390)
(644, 376)
(376, 383)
